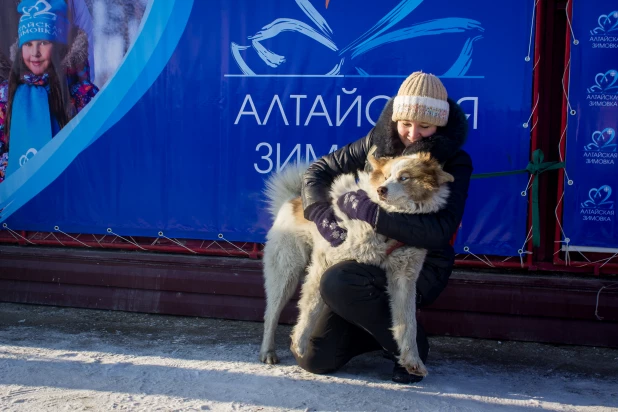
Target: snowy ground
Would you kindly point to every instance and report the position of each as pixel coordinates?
(69, 359)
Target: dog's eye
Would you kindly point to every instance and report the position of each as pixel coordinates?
(403, 178)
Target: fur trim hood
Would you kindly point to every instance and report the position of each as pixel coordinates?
(5, 67)
(77, 55)
(445, 143)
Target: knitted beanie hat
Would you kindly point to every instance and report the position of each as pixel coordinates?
(42, 20)
(421, 98)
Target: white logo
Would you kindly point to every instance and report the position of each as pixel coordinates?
(29, 155)
(598, 207)
(608, 23)
(41, 9)
(344, 59)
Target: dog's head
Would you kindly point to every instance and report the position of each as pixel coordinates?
(403, 180)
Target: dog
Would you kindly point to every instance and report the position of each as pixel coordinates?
(294, 247)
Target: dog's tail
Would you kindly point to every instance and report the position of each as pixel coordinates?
(284, 186)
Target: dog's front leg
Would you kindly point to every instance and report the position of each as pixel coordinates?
(402, 291)
(309, 306)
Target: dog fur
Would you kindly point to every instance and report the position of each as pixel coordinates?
(294, 247)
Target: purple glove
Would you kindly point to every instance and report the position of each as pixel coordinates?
(325, 219)
(357, 205)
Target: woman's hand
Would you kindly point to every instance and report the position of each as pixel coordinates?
(357, 205)
(325, 219)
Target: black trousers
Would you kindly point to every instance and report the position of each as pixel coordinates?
(356, 320)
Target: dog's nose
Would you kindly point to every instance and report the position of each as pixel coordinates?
(382, 190)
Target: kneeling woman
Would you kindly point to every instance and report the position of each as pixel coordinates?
(421, 118)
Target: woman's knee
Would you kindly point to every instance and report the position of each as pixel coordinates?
(336, 283)
(331, 284)
(318, 365)
(348, 279)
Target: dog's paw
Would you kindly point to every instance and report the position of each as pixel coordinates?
(413, 365)
(269, 357)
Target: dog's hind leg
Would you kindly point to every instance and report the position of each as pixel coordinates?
(402, 291)
(310, 306)
(285, 260)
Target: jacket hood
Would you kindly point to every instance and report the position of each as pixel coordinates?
(442, 145)
(5, 67)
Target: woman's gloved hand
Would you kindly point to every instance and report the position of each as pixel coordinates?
(325, 219)
(357, 205)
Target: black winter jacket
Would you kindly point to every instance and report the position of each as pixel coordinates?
(428, 231)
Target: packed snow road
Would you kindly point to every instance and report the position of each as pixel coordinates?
(72, 359)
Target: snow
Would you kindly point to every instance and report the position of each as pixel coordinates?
(115, 26)
(74, 359)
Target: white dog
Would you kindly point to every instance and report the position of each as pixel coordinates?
(406, 184)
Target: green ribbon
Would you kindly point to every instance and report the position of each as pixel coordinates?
(535, 168)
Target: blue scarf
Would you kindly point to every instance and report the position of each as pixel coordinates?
(32, 125)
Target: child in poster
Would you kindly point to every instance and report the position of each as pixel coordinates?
(48, 84)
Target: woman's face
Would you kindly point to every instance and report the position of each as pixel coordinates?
(37, 55)
(410, 132)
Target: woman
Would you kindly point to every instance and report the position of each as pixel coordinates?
(421, 118)
(49, 83)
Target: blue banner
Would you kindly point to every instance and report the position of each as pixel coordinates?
(592, 159)
(215, 96)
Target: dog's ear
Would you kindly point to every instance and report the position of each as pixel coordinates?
(377, 163)
(424, 156)
(444, 177)
(373, 162)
